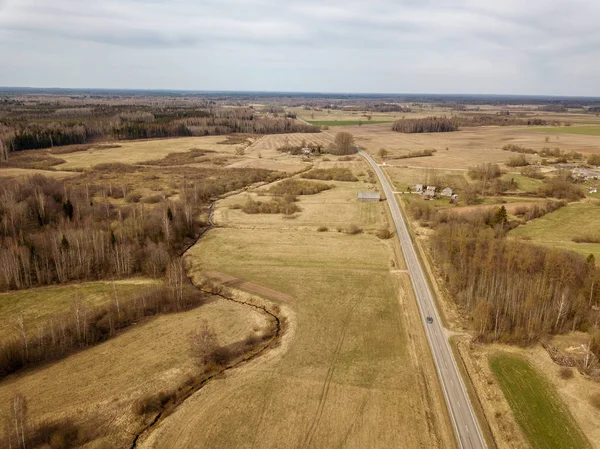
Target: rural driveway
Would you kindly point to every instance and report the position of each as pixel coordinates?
(465, 423)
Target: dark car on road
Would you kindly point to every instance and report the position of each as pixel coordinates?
(429, 319)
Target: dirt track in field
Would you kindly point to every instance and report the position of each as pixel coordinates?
(249, 287)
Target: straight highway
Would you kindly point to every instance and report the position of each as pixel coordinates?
(466, 427)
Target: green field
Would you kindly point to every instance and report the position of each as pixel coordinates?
(346, 122)
(558, 228)
(583, 130)
(524, 183)
(35, 305)
(544, 419)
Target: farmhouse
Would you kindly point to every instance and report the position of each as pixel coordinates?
(418, 188)
(429, 192)
(369, 196)
(447, 192)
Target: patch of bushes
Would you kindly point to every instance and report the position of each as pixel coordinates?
(532, 172)
(593, 159)
(384, 233)
(353, 230)
(536, 211)
(322, 229)
(331, 174)
(283, 205)
(561, 188)
(298, 187)
(517, 149)
(566, 373)
(589, 238)
(595, 400)
(178, 158)
(133, 197)
(485, 172)
(153, 199)
(418, 153)
(517, 161)
(115, 167)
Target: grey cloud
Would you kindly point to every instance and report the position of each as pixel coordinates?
(409, 45)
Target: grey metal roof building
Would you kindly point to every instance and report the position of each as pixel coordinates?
(369, 196)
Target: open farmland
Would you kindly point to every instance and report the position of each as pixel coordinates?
(270, 143)
(97, 387)
(353, 374)
(141, 151)
(544, 419)
(579, 130)
(465, 148)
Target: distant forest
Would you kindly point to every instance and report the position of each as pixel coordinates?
(30, 125)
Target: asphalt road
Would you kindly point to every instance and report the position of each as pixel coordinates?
(466, 427)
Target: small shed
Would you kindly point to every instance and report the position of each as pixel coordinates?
(369, 196)
(447, 192)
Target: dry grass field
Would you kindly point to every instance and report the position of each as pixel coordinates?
(35, 305)
(97, 387)
(356, 372)
(21, 172)
(141, 151)
(345, 116)
(465, 148)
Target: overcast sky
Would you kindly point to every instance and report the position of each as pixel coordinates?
(402, 46)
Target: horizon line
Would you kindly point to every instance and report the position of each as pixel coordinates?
(284, 92)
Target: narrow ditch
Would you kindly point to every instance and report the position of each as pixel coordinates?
(171, 406)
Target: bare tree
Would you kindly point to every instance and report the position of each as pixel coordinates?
(19, 419)
(344, 143)
(203, 343)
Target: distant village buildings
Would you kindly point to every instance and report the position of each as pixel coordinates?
(429, 192)
(584, 173)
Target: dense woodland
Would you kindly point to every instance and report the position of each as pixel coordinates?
(513, 291)
(80, 230)
(53, 231)
(449, 124)
(45, 126)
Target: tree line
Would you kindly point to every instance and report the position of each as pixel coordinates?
(449, 124)
(513, 291)
(17, 134)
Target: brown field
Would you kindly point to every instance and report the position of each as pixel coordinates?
(98, 386)
(275, 141)
(141, 151)
(21, 172)
(471, 146)
(352, 373)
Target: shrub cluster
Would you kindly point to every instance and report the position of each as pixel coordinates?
(295, 187)
(331, 174)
